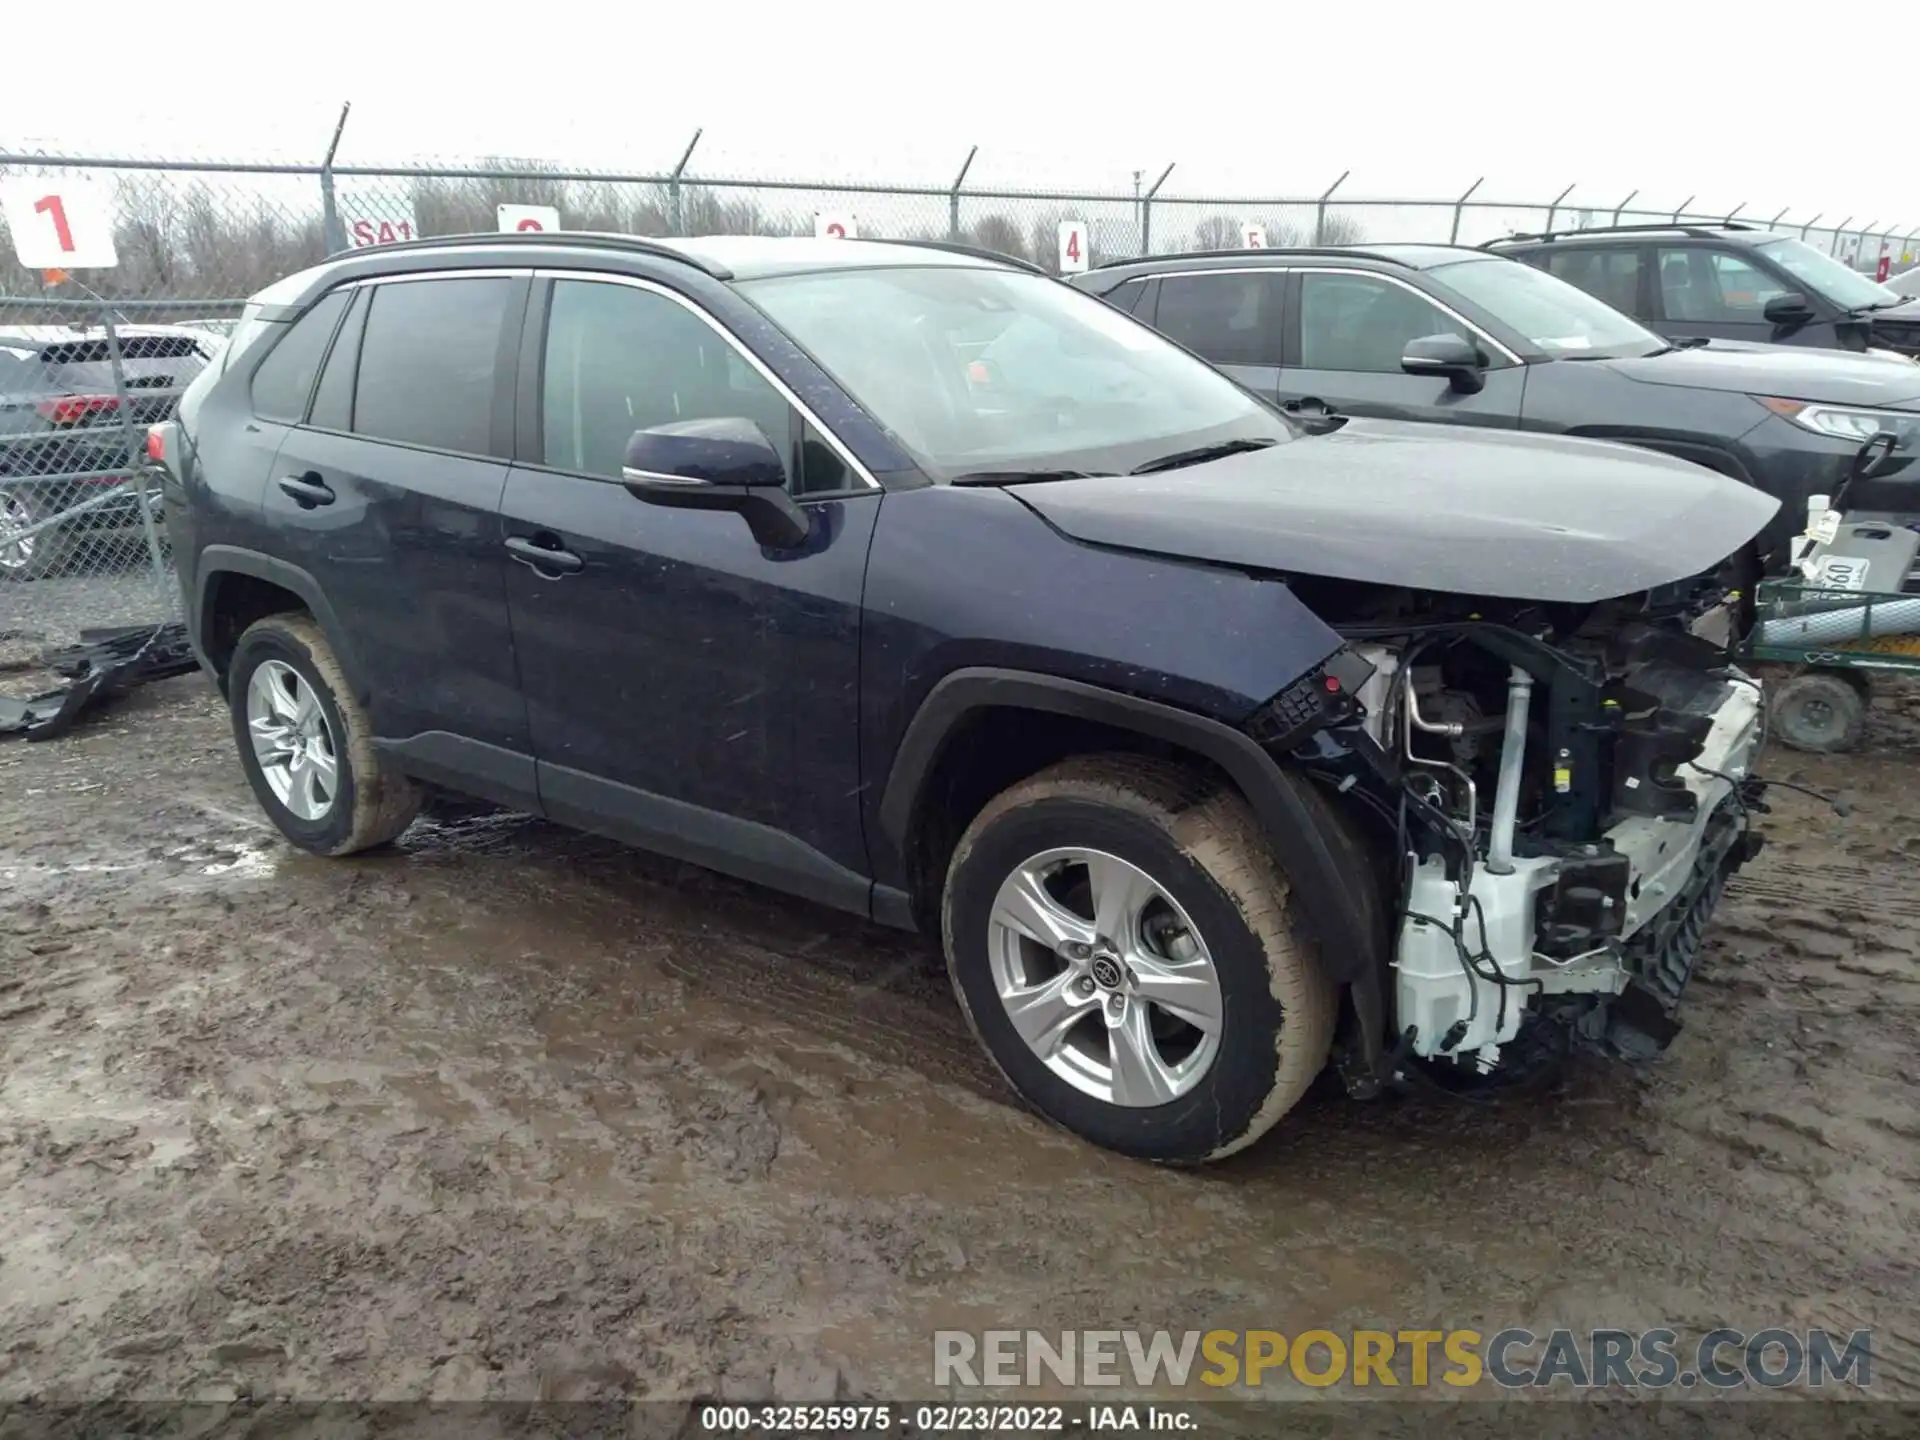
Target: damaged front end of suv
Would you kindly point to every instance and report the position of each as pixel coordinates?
(1562, 793)
(1526, 719)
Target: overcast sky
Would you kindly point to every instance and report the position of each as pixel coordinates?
(1672, 99)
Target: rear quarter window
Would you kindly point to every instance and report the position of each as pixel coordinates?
(284, 382)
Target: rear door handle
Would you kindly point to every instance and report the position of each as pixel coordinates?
(546, 557)
(306, 491)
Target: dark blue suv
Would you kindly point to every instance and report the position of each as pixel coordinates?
(921, 584)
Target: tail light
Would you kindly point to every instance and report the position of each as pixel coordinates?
(157, 444)
(76, 409)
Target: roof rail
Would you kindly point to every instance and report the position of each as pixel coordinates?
(1681, 227)
(1361, 251)
(955, 247)
(585, 239)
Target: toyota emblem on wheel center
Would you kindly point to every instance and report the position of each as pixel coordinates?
(1106, 972)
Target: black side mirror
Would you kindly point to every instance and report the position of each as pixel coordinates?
(721, 464)
(1789, 309)
(1453, 358)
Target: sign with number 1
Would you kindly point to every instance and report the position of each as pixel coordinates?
(59, 224)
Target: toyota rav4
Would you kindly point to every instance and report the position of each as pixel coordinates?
(923, 585)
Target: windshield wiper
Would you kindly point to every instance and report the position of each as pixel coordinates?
(1023, 477)
(1199, 454)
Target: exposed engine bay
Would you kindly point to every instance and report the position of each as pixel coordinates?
(1563, 792)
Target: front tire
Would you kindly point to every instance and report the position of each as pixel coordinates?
(1122, 942)
(29, 557)
(307, 746)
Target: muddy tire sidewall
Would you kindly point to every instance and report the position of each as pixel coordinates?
(1235, 1101)
(371, 805)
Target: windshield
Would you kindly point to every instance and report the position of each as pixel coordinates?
(975, 370)
(1827, 277)
(1559, 318)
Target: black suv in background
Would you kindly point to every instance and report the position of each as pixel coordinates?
(923, 585)
(1727, 282)
(1461, 337)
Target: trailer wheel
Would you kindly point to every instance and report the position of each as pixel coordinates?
(1818, 710)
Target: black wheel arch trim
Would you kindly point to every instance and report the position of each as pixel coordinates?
(218, 560)
(1337, 912)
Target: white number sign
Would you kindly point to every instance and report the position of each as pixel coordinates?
(828, 226)
(1253, 236)
(528, 217)
(59, 224)
(1073, 246)
(372, 217)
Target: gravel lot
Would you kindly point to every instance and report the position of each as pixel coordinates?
(512, 1112)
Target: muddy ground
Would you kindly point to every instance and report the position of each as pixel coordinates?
(513, 1112)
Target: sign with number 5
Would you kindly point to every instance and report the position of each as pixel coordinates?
(515, 218)
(59, 224)
(1253, 235)
(1073, 246)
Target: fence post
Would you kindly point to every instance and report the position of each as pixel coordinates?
(1554, 208)
(1453, 237)
(1683, 208)
(676, 218)
(1146, 210)
(136, 454)
(953, 195)
(1623, 205)
(1838, 231)
(1810, 224)
(1778, 218)
(330, 223)
(1320, 210)
(1733, 212)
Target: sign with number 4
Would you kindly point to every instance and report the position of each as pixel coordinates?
(59, 224)
(1073, 246)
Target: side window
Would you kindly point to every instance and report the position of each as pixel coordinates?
(1231, 319)
(333, 401)
(1744, 287)
(1611, 275)
(427, 361)
(1127, 297)
(1362, 322)
(1714, 285)
(284, 380)
(619, 359)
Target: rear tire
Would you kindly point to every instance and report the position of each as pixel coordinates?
(307, 746)
(40, 554)
(1203, 922)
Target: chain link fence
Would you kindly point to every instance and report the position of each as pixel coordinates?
(89, 359)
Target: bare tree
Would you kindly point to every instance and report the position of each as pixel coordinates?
(1341, 228)
(999, 233)
(1217, 232)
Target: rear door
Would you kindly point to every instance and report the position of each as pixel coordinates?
(1351, 328)
(387, 494)
(1230, 317)
(1618, 275)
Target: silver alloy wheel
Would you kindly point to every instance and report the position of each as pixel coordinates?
(16, 550)
(292, 740)
(1105, 977)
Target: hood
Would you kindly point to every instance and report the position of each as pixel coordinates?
(1429, 507)
(1837, 377)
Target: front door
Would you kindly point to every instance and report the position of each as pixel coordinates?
(1716, 294)
(689, 689)
(1353, 329)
